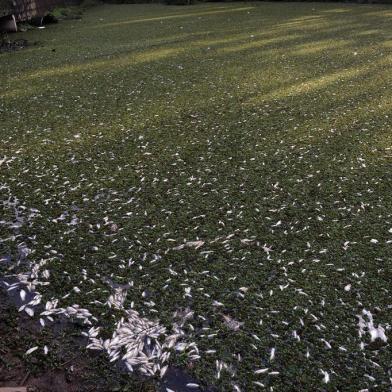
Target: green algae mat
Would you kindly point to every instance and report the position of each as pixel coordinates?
(206, 188)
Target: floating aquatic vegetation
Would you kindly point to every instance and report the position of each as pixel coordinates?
(207, 190)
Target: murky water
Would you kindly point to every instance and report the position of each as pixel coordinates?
(5, 260)
(177, 379)
(14, 295)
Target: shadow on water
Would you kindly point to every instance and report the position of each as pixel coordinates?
(177, 380)
(5, 260)
(13, 294)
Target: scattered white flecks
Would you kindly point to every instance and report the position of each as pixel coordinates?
(327, 344)
(142, 344)
(22, 294)
(46, 350)
(31, 350)
(261, 371)
(326, 378)
(374, 241)
(117, 299)
(232, 324)
(366, 324)
(222, 366)
(192, 385)
(217, 303)
(347, 287)
(371, 378)
(190, 244)
(29, 311)
(272, 354)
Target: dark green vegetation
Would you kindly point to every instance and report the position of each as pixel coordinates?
(263, 131)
